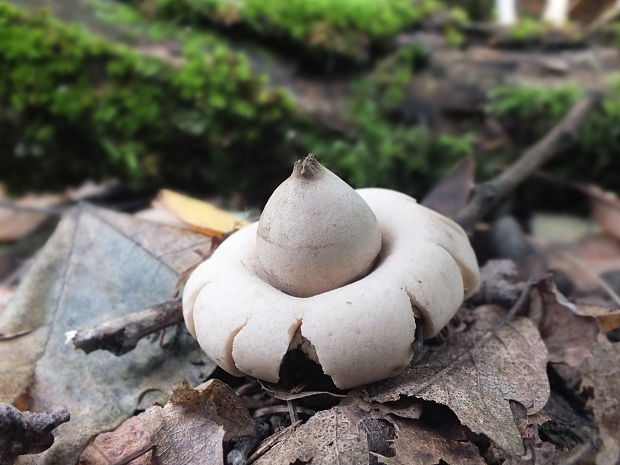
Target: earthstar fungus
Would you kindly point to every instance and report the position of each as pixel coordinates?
(348, 270)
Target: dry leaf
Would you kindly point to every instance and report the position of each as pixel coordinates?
(329, 437)
(587, 260)
(185, 437)
(406, 408)
(98, 265)
(190, 429)
(450, 195)
(605, 207)
(498, 283)
(111, 448)
(357, 432)
(568, 334)
(607, 319)
(476, 375)
(20, 217)
(508, 240)
(221, 403)
(601, 380)
(418, 444)
(200, 216)
(161, 216)
(403, 438)
(569, 338)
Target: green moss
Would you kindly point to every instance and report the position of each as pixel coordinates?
(610, 34)
(345, 28)
(530, 31)
(543, 106)
(477, 10)
(73, 106)
(530, 112)
(527, 29)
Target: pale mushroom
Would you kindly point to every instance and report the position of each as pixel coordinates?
(556, 12)
(352, 295)
(506, 11)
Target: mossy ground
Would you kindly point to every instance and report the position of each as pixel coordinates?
(75, 106)
(324, 30)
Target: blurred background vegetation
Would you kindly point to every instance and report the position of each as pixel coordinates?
(220, 96)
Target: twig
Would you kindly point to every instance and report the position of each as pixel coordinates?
(273, 409)
(134, 455)
(605, 18)
(15, 335)
(121, 335)
(292, 411)
(487, 194)
(516, 308)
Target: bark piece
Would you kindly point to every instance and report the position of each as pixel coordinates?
(121, 335)
(26, 432)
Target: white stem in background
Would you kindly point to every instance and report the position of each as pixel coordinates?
(506, 12)
(556, 12)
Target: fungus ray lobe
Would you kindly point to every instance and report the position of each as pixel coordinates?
(361, 336)
(414, 226)
(259, 348)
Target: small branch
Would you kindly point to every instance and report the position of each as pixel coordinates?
(134, 455)
(121, 335)
(487, 194)
(8, 336)
(556, 12)
(292, 411)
